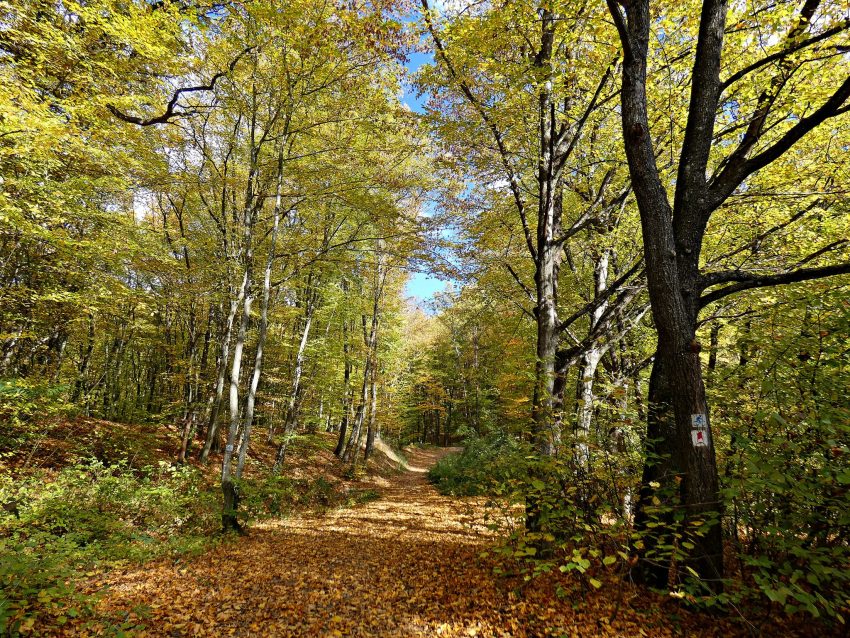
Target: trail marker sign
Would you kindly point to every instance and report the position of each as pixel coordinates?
(699, 430)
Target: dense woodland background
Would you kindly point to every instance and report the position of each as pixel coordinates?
(209, 213)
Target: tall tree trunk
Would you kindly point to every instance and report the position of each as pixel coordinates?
(590, 362)
(294, 409)
(678, 426)
(371, 340)
(346, 385)
(223, 360)
(248, 418)
(373, 415)
(229, 488)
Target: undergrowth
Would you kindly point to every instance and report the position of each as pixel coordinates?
(484, 464)
(110, 502)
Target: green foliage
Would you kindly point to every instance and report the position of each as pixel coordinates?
(37, 583)
(789, 487)
(486, 465)
(579, 525)
(91, 513)
(21, 399)
(785, 455)
(25, 406)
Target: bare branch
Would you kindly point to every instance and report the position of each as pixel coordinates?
(170, 112)
(748, 281)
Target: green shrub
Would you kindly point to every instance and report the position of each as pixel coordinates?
(273, 495)
(485, 464)
(25, 408)
(790, 498)
(53, 527)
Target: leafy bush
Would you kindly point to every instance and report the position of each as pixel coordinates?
(273, 495)
(785, 458)
(485, 464)
(790, 497)
(53, 527)
(25, 407)
(560, 516)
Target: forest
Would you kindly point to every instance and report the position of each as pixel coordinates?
(424, 318)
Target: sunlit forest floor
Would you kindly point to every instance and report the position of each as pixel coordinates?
(407, 564)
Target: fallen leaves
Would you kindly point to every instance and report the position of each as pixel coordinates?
(405, 565)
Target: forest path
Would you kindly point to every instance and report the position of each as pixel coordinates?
(405, 565)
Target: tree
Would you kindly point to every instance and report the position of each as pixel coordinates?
(540, 105)
(673, 234)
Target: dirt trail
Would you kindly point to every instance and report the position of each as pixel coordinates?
(405, 565)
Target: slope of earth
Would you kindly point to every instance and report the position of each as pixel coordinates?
(80, 496)
(406, 565)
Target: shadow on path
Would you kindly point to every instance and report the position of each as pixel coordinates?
(405, 565)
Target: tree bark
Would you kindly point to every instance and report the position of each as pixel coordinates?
(677, 394)
(224, 359)
(371, 342)
(346, 386)
(294, 408)
(248, 418)
(373, 415)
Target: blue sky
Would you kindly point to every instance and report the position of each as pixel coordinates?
(421, 285)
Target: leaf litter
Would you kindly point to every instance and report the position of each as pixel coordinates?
(409, 564)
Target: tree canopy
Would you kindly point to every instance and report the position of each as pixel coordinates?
(213, 218)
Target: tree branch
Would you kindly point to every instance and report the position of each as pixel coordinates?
(601, 299)
(525, 288)
(781, 54)
(622, 29)
(748, 281)
(170, 112)
(754, 243)
(736, 172)
(488, 122)
(564, 154)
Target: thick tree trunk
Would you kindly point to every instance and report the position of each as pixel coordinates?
(671, 251)
(684, 466)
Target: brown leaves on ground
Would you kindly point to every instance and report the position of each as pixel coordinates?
(406, 565)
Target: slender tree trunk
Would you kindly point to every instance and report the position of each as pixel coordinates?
(350, 453)
(82, 374)
(294, 409)
(373, 415)
(353, 446)
(346, 385)
(546, 436)
(248, 419)
(591, 359)
(229, 488)
(223, 360)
